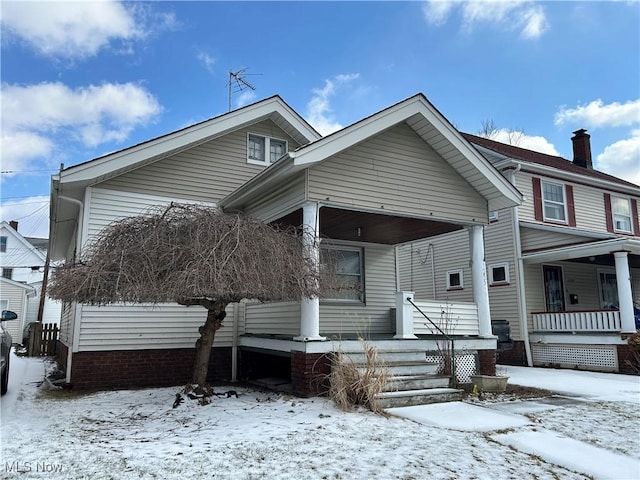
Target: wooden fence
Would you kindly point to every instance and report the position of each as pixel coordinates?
(43, 339)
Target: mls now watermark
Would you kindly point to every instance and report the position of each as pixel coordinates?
(37, 467)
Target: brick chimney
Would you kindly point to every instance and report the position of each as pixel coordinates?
(13, 224)
(582, 149)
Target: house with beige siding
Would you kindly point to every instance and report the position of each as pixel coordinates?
(563, 267)
(399, 176)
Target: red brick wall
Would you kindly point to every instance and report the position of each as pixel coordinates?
(487, 360)
(514, 356)
(309, 373)
(144, 368)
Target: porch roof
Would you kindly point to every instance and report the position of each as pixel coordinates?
(598, 252)
(418, 113)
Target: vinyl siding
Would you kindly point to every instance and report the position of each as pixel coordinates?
(500, 248)
(588, 201)
(396, 171)
(283, 199)
(533, 239)
(16, 302)
(207, 172)
(136, 327)
(276, 318)
(450, 252)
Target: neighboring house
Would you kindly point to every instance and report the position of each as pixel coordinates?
(400, 175)
(22, 261)
(563, 268)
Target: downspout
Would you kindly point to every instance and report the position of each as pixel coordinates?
(72, 343)
(522, 302)
(234, 342)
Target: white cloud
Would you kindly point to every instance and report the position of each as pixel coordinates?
(318, 108)
(596, 114)
(528, 18)
(245, 98)
(520, 139)
(207, 61)
(622, 158)
(37, 117)
(20, 149)
(70, 29)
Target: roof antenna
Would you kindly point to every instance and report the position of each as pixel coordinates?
(237, 83)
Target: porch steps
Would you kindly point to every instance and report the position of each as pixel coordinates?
(413, 380)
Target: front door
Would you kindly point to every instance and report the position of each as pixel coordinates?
(553, 288)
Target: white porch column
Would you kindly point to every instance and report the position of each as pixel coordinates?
(479, 279)
(625, 297)
(404, 316)
(310, 307)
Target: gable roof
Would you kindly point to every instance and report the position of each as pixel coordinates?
(70, 184)
(543, 159)
(418, 113)
(122, 161)
(27, 247)
(29, 290)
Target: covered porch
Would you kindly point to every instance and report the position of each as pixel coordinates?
(586, 306)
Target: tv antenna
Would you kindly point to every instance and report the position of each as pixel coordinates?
(237, 83)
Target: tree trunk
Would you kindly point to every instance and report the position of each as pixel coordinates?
(215, 316)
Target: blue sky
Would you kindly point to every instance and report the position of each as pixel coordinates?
(83, 79)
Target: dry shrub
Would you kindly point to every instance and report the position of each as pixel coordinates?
(349, 386)
(634, 361)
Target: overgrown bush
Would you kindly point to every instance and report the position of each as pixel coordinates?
(634, 358)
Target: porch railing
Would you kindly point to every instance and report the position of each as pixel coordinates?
(582, 321)
(459, 318)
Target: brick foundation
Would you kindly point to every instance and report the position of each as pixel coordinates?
(487, 359)
(309, 373)
(143, 368)
(514, 356)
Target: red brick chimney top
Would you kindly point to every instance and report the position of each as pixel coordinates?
(13, 224)
(582, 149)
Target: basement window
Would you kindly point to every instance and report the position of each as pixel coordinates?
(455, 280)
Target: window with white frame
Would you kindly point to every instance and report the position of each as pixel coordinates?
(263, 150)
(3, 244)
(7, 273)
(621, 211)
(499, 274)
(346, 265)
(493, 216)
(455, 280)
(554, 202)
(4, 305)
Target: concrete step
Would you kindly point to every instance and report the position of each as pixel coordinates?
(406, 398)
(398, 369)
(389, 356)
(416, 382)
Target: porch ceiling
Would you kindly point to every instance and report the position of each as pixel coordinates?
(340, 224)
(607, 260)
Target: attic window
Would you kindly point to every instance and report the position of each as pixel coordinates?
(3, 244)
(258, 147)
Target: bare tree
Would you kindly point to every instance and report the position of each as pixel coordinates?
(192, 255)
(490, 130)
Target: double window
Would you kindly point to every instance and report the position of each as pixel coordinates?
(346, 265)
(263, 150)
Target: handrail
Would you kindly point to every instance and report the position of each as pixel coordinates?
(453, 353)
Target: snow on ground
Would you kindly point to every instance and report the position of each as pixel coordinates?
(133, 434)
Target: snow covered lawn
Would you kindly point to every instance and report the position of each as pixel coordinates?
(137, 434)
